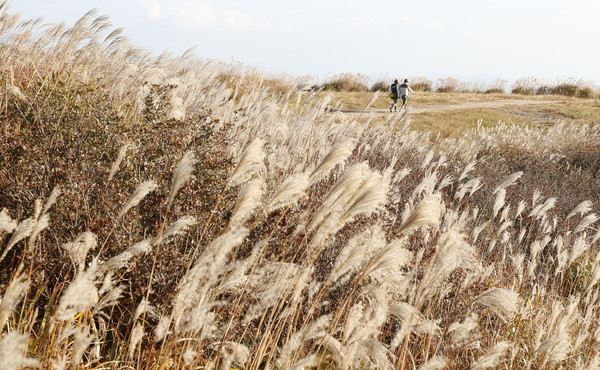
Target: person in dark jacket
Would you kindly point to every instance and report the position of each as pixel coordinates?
(394, 93)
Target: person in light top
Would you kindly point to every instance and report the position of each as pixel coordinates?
(404, 89)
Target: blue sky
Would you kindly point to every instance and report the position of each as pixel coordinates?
(468, 39)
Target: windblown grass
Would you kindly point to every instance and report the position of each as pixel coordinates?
(154, 213)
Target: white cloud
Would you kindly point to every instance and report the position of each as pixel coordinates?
(239, 21)
(190, 12)
(152, 7)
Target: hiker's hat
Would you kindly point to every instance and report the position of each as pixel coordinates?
(396, 80)
(405, 81)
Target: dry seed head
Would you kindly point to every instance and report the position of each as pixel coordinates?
(463, 331)
(289, 192)
(115, 166)
(140, 192)
(80, 295)
(492, 358)
(502, 301)
(499, 202)
(7, 224)
(251, 163)
(508, 181)
(435, 363)
(136, 336)
(16, 290)
(124, 258)
(51, 199)
(22, 231)
(468, 168)
(248, 200)
(182, 173)
(176, 228)
(581, 209)
(13, 352)
(81, 342)
(79, 248)
(338, 155)
(16, 92)
(585, 222)
(428, 212)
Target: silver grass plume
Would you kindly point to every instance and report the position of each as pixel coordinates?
(182, 173)
(368, 201)
(338, 155)
(452, 252)
(354, 254)
(409, 317)
(13, 352)
(389, 261)
(16, 92)
(140, 192)
(22, 231)
(176, 228)
(306, 363)
(503, 302)
(80, 295)
(540, 210)
(508, 181)
(470, 187)
(580, 245)
(51, 199)
(251, 163)
(162, 328)
(124, 258)
(248, 200)
(289, 192)
(468, 168)
(79, 248)
(115, 166)
(499, 202)
(463, 332)
(7, 224)
(234, 353)
(428, 212)
(136, 336)
(189, 357)
(581, 209)
(16, 290)
(316, 329)
(585, 222)
(435, 363)
(347, 185)
(81, 342)
(492, 357)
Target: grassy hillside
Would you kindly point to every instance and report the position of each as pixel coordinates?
(173, 212)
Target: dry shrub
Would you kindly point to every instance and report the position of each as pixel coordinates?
(572, 87)
(382, 86)
(347, 82)
(421, 84)
(447, 85)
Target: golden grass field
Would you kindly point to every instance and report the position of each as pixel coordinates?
(171, 212)
(453, 123)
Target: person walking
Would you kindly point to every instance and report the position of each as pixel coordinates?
(393, 93)
(404, 89)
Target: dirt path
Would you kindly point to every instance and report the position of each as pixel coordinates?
(434, 108)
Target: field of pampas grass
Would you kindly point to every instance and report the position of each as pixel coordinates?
(157, 213)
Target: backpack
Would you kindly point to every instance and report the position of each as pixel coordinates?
(394, 92)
